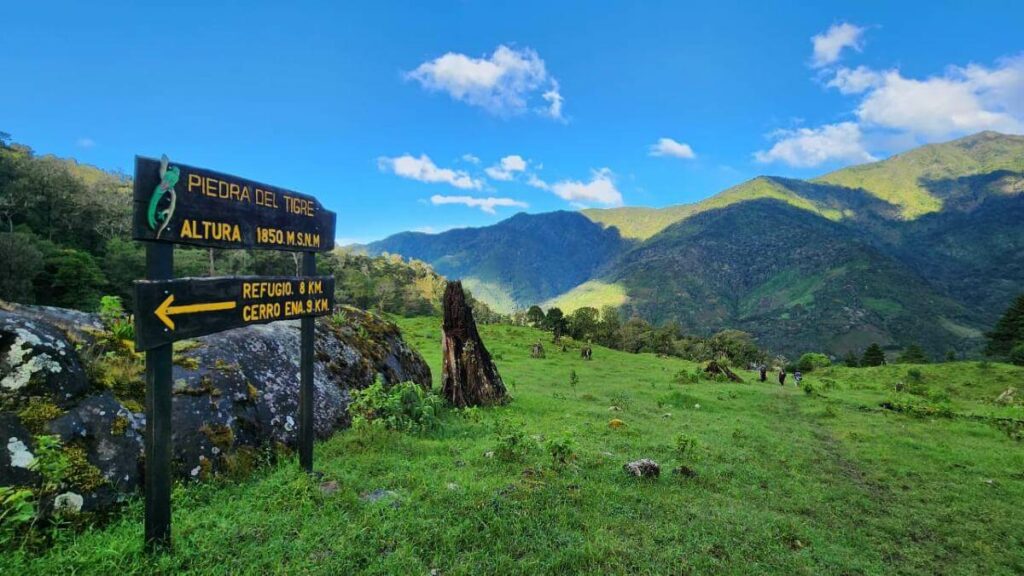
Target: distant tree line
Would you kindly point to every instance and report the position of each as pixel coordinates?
(607, 328)
(65, 240)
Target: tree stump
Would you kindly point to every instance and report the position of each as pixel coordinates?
(714, 368)
(468, 375)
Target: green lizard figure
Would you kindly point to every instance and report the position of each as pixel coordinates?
(168, 178)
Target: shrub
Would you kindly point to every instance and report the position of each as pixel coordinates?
(1017, 355)
(513, 443)
(405, 407)
(685, 447)
(808, 388)
(574, 380)
(812, 360)
(562, 448)
(687, 377)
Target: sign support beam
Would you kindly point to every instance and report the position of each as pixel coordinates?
(306, 373)
(159, 266)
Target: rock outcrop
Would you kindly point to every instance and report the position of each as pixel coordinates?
(235, 397)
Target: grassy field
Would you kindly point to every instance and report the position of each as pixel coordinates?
(787, 482)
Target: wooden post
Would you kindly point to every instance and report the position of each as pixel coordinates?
(306, 374)
(159, 266)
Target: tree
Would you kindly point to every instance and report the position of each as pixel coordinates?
(1017, 355)
(71, 279)
(554, 321)
(873, 356)
(913, 355)
(468, 375)
(20, 263)
(583, 323)
(1008, 331)
(123, 264)
(608, 329)
(535, 316)
(811, 360)
(851, 359)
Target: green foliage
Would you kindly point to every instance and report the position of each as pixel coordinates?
(1009, 330)
(17, 510)
(114, 318)
(405, 407)
(851, 360)
(20, 262)
(51, 462)
(574, 381)
(685, 447)
(512, 442)
(811, 361)
(913, 355)
(535, 316)
(562, 448)
(70, 279)
(1016, 355)
(873, 356)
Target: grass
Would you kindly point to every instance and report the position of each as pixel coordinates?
(787, 482)
(593, 293)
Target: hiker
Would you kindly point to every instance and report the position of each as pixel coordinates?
(764, 372)
(782, 376)
(798, 377)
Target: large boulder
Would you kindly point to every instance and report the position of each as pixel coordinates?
(235, 397)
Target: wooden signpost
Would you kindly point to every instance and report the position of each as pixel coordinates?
(179, 204)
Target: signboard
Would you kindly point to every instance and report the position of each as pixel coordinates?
(179, 204)
(169, 310)
(189, 205)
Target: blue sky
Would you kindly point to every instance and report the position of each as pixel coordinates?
(398, 116)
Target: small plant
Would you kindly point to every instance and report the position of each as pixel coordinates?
(51, 463)
(405, 407)
(685, 447)
(914, 375)
(513, 442)
(113, 316)
(16, 510)
(808, 388)
(687, 376)
(562, 449)
(574, 381)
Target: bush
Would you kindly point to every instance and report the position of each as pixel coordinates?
(808, 362)
(114, 318)
(687, 377)
(513, 443)
(808, 387)
(405, 407)
(685, 447)
(562, 448)
(1017, 355)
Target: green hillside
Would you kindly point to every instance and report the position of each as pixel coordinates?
(904, 179)
(783, 482)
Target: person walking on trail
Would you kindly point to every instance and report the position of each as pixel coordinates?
(798, 377)
(764, 372)
(782, 376)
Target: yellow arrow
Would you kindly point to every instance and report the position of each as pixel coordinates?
(164, 311)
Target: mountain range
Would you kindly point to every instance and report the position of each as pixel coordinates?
(925, 247)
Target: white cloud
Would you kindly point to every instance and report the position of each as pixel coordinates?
(806, 147)
(829, 45)
(502, 83)
(424, 170)
(485, 204)
(669, 147)
(963, 100)
(506, 169)
(85, 142)
(470, 158)
(601, 188)
(856, 80)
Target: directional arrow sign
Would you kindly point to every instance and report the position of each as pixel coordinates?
(169, 310)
